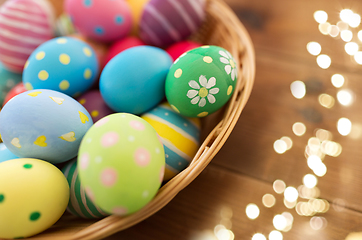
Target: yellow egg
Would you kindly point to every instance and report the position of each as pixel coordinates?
(33, 196)
(137, 10)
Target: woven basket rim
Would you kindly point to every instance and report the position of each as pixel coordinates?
(241, 47)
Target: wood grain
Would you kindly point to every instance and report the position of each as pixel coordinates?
(198, 209)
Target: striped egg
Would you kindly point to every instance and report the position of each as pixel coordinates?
(24, 25)
(164, 22)
(79, 204)
(180, 137)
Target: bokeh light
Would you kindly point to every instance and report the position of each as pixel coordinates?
(324, 61)
(314, 143)
(345, 15)
(337, 80)
(275, 235)
(331, 148)
(320, 16)
(298, 89)
(351, 48)
(314, 48)
(280, 146)
(326, 100)
(288, 204)
(320, 170)
(355, 20)
(252, 211)
(358, 57)
(310, 181)
(268, 200)
(291, 194)
(279, 222)
(333, 31)
(279, 186)
(346, 35)
(342, 25)
(345, 97)
(287, 141)
(344, 126)
(224, 234)
(324, 27)
(359, 35)
(318, 223)
(299, 128)
(258, 236)
(323, 135)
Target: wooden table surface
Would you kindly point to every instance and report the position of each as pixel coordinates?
(213, 207)
(247, 165)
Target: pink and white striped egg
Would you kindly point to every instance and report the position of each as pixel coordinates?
(24, 25)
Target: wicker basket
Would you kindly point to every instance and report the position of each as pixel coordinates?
(221, 28)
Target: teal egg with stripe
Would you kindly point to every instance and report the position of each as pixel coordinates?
(79, 203)
(180, 137)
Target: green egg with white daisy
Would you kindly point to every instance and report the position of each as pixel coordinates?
(201, 81)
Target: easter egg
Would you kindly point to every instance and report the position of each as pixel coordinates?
(33, 196)
(95, 105)
(64, 26)
(100, 49)
(139, 85)
(8, 80)
(201, 81)
(17, 89)
(44, 124)
(24, 24)
(6, 154)
(180, 137)
(121, 163)
(79, 204)
(136, 7)
(103, 21)
(62, 64)
(122, 45)
(177, 49)
(164, 22)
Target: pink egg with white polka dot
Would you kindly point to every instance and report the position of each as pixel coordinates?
(101, 20)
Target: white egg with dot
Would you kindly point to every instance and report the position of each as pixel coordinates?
(62, 64)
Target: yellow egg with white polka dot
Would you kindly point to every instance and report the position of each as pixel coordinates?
(33, 196)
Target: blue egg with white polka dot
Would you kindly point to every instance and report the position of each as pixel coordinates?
(63, 64)
(6, 154)
(8, 80)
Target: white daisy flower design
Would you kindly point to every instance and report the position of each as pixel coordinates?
(199, 93)
(226, 58)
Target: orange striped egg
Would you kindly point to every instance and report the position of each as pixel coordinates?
(24, 25)
(180, 137)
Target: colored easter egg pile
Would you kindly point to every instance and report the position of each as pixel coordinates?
(116, 98)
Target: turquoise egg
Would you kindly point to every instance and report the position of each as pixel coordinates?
(79, 204)
(8, 80)
(134, 80)
(62, 64)
(44, 124)
(180, 137)
(6, 154)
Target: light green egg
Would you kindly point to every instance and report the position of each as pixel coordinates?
(121, 163)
